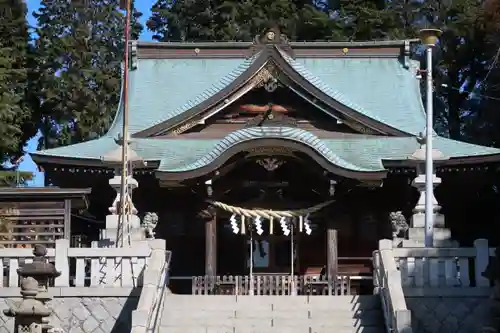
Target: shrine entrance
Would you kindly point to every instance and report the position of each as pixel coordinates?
(274, 233)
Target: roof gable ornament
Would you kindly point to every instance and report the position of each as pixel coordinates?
(271, 36)
(267, 77)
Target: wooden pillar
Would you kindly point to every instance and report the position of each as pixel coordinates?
(211, 246)
(67, 219)
(332, 258)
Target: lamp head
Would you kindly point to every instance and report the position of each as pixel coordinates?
(429, 37)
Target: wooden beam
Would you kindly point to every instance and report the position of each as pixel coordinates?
(332, 258)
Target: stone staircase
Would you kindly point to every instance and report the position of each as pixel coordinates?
(267, 314)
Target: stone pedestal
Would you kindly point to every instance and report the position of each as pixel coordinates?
(109, 235)
(416, 232)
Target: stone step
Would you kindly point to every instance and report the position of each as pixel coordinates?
(268, 303)
(272, 314)
(285, 329)
(316, 314)
(271, 322)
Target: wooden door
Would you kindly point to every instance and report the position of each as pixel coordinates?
(271, 254)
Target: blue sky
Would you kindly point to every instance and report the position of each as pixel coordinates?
(27, 164)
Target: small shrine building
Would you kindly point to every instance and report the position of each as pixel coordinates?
(245, 140)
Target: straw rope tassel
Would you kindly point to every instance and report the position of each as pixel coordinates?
(271, 225)
(242, 224)
(301, 223)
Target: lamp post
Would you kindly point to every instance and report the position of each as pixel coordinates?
(429, 38)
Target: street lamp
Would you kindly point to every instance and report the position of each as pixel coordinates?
(429, 38)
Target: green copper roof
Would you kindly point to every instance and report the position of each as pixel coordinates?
(380, 88)
(161, 89)
(353, 152)
(356, 153)
(248, 134)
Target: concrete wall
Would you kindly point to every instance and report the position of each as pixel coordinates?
(81, 310)
(448, 314)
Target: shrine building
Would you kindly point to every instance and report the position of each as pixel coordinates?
(298, 155)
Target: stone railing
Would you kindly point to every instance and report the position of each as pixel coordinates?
(387, 283)
(98, 288)
(443, 288)
(82, 267)
(145, 318)
(444, 271)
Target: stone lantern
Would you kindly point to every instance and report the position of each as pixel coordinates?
(30, 312)
(41, 270)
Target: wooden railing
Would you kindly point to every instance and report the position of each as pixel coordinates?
(273, 284)
(28, 223)
(81, 267)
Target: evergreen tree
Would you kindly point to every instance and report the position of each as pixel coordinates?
(460, 63)
(14, 111)
(79, 55)
(226, 20)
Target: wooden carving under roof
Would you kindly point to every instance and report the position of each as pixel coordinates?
(270, 105)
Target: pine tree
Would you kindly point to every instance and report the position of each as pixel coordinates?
(79, 52)
(14, 112)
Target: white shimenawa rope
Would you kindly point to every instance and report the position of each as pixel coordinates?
(269, 213)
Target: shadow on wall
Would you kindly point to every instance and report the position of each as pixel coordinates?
(124, 320)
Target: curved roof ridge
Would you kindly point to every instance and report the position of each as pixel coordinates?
(337, 95)
(119, 108)
(207, 93)
(318, 83)
(255, 133)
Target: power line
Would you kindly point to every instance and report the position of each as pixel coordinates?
(493, 64)
(471, 93)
